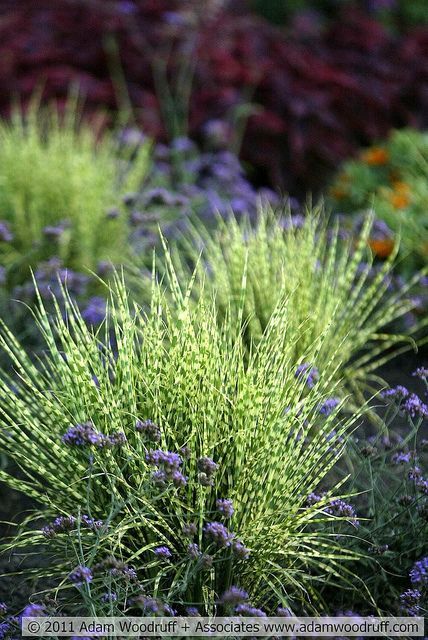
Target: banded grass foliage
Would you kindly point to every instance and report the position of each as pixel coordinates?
(132, 434)
(331, 284)
(58, 178)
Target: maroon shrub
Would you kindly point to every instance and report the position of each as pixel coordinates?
(316, 94)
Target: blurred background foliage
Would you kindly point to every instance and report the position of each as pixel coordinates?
(288, 81)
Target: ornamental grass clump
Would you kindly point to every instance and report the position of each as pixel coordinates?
(61, 183)
(169, 469)
(332, 287)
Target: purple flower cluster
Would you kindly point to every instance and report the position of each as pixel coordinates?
(65, 524)
(233, 596)
(168, 470)
(409, 602)
(328, 406)
(209, 183)
(190, 529)
(414, 474)
(225, 507)
(207, 468)
(53, 232)
(397, 393)
(3, 608)
(163, 552)
(193, 551)
(109, 597)
(313, 498)
(85, 435)
(116, 568)
(402, 457)
(81, 575)
(422, 485)
(50, 275)
(153, 606)
(5, 233)
(308, 373)
(217, 533)
(409, 403)
(33, 610)
(240, 550)
(149, 429)
(95, 311)
(245, 609)
(419, 572)
(341, 509)
(421, 372)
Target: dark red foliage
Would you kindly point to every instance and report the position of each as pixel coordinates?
(320, 94)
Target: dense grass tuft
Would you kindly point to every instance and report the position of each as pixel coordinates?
(260, 422)
(58, 179)
(332, 288)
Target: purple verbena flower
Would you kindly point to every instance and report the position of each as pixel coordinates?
(341, 509)
(312, 499)
(95, 311)
(207, 466)
(109, 597)
(148, 604)
(414, 407)
(225, 507)
(34, 611)
(422, 485)
(116, 439)
(328, 406)
(168, 460)
(240, 550)
(307, 372)
(193, 550)
(148, 429)
(421, 372)
(192, 612)
(414, 473)
(83, 435)
(121, 570)
(401, 457)
(397, 393)
(234, 596)
(419, 572)
(159, 478)
(62, 524)
(80, 575)
(190, 529)
(247, 610)
(409, 602)
(218, 533)
(5, 233)
(3, 608)
(163, 552)
(56, 231)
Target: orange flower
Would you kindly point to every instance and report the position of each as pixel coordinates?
(375, 156)
(399, 200)
(381, 248)
(338, 192)
(401, 187)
